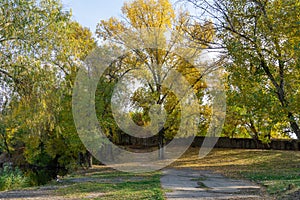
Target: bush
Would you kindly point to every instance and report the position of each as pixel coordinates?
(12, 178)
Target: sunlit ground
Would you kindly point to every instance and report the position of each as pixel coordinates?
(278, 171)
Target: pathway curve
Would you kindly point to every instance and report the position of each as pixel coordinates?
(189, 184)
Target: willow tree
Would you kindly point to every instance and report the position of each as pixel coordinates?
(40, 48)
(258, 40)
(154, 43)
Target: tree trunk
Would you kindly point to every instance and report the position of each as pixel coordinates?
(85, 160)
(161, 152)
(281, 95)
(294, 125)
(89, 159)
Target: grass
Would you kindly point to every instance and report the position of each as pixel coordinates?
(278, 171)
(105, 183)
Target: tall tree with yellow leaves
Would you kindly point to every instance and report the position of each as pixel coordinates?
(156, 41)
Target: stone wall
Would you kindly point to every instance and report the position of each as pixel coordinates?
(242, 143)
(223, 142)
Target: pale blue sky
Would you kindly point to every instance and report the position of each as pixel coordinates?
(89, 12)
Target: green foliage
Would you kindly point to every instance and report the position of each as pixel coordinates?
(41, 49)
(262, 62)
(103, 98)
(11, 179)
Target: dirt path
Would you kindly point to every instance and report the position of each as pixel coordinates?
(48, 192)
(42, 193)
(179, 184)
(189, 184)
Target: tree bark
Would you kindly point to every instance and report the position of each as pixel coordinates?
(294, 125)
(89, 159)
(281, 97)
(161, 152)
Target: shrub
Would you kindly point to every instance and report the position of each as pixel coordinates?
(12, 178)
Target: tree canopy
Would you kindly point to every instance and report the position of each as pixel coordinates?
(156, 68)
(40, 50)
(263, 56)
(163, 45)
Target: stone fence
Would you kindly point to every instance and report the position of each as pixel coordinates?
(223, 142)
(243, 143)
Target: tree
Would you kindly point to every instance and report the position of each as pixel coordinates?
(252, 114)
(40, 50)
(260, 44)
(150, 57)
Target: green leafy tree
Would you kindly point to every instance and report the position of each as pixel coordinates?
(40, 50)
(263, 52)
